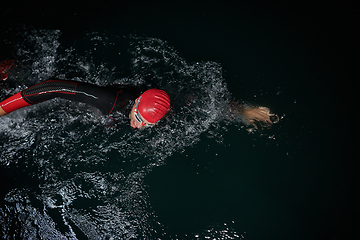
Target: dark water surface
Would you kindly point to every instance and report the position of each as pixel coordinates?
(65, 175)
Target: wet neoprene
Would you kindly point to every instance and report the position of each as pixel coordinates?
(106, 99)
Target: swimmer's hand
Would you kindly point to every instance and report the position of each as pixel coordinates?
(254, 116)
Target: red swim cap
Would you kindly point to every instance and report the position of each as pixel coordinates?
(153, 105)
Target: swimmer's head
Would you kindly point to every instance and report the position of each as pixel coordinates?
(149, 108)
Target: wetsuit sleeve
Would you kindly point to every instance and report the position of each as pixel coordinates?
(104, 98)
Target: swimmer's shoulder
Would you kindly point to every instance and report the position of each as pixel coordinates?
(130, 90)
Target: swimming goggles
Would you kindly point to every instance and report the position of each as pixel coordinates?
(137, 114)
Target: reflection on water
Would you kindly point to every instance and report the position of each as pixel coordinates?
(77, 178)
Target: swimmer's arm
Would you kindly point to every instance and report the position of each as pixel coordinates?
(43, 91)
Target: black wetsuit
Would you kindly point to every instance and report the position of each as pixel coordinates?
(107, 99)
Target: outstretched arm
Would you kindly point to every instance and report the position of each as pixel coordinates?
(103, 98)
(254, 116)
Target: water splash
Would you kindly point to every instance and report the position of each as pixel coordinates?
(86, 177)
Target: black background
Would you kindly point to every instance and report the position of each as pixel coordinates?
(331, 28)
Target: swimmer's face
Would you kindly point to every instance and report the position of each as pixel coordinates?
(134, 121)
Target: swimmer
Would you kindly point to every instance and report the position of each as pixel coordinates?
(147, 108)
